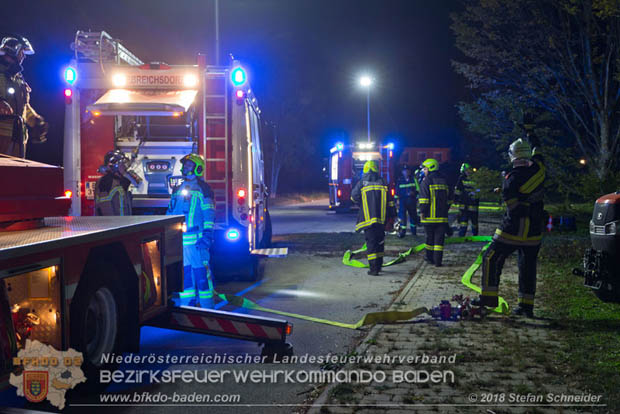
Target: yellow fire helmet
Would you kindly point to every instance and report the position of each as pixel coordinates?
(431, 164)
(198, 161)
(370, 166)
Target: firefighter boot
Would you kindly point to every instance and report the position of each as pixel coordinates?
(524, 310)
(487, 301)
(205, 289)
(189, 292)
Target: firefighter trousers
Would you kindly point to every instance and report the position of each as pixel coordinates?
(435, 236)
(375, 244)
(407, 205)
(492, 264)
(466, 215)
(198, 288)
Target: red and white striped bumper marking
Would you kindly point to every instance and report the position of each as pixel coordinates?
(224, 325)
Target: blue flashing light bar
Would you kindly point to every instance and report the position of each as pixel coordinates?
(70, 75)
(238, 76)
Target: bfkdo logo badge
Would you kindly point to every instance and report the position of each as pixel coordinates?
(36, 385)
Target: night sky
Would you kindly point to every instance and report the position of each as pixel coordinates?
(308, 51)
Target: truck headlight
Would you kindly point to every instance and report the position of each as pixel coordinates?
(591, 226)
(611, 228)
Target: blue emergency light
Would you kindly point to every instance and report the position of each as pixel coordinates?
(232, 234)
(390, 146)
(339, 146)
(70, 75)
(238, 76)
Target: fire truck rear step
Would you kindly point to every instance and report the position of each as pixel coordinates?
(273, 252)
(221, 323)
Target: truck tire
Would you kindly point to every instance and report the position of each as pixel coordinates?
(266, 241)
(611, 295)
(97, 310)
(253, 270)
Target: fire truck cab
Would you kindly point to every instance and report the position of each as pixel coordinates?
(156, 114)
(346, 163)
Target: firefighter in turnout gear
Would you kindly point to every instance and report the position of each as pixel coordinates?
(521, 228)
(194, 199)
(376, 206)
(434, 205)
(407, 188)
(112, 196)
(16, 114)
(467, 196)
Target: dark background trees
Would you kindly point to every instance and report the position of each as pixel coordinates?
(555, 62)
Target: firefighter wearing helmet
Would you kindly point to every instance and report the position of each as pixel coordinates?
(194, 199)
(521, 228)
(434, 204)
(112, 196)
(467, 195)
(18, 120)
(406, 193)
(376, 207)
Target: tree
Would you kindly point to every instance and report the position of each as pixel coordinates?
(560, 57)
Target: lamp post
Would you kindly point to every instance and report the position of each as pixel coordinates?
(366, 81)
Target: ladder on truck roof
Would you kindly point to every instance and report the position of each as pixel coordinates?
(216, 140)
(100, 47)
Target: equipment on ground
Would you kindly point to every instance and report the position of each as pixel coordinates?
(601, 263)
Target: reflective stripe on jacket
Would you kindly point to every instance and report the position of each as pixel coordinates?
(406, 188)
(467, 193)
(372, 194)
(194, 200)
(112, 197)
(434, 199)
(523, 192)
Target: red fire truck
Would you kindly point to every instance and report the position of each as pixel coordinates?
(90, 283)
(346, 163)
(157, 113)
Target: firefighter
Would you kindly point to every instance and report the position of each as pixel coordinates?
(521, 228)
(194, 199)
(467, 195)
(406, 193)
(434, 206)
(112, 196)
(376, 207)
(16, 114)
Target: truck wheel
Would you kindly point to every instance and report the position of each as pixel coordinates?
(266, 241)
(608, 295)
(253, 270)
(270, 351)
(96, 326)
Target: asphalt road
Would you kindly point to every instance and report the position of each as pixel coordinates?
(308, 284)
(313, 217)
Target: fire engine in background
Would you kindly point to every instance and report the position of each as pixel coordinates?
(346, 163)
(157, 113)
(90, 283)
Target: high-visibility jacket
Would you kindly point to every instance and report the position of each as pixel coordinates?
(523, 194)
(434, 199)
(194, 199)
(15, 91)
(467, 193)
(406, 187)
(376, 203)
(112, 197)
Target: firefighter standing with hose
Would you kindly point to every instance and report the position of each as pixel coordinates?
(406, 193)
(467, 195)
(434, 205)
(194, 199)
(521, 229)
(16, 114)
(376, 206)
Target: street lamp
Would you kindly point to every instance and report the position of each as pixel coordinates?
(366, 82)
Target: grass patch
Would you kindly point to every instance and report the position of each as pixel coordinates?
(589, 329)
